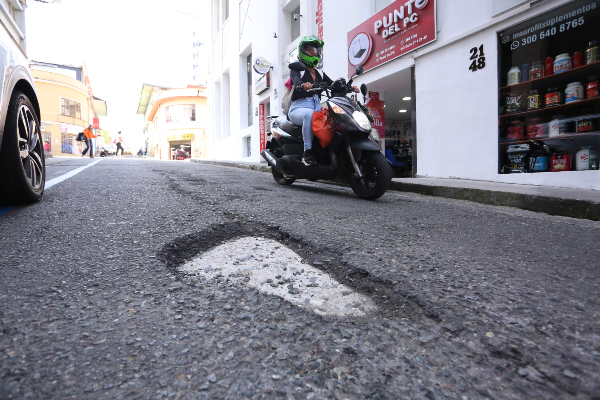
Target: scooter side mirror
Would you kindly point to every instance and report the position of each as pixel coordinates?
(359, 70)
(297, 66)
(363, 90)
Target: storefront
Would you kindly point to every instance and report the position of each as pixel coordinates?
(452, 62)
(180, 146)
(548, 94)
(379, 45)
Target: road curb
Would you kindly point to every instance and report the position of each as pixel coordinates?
(582, 209)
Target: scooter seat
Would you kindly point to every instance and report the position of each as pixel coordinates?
(288, 126)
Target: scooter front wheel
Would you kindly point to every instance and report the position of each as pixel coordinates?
(377, 175)
(282, 180)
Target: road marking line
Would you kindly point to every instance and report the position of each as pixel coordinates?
(52, 182)
(66, 176)
(273, 268)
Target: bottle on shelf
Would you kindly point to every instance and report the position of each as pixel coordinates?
(560, 161)
(591, 53)
(553, 97)
(549, 66)
(573, 92)
(534, 100)
(586, 158)
(514, 76)
(525, 72)
(558, 126)
(536, 71)
(577, 59)
(562, 63)
(591, 89)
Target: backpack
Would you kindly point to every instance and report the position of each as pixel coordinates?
(286, 100)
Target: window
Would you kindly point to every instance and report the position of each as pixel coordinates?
(180, 113)
(249, 84)
(248, 146)
(295, 23)
(549, 108)
(47, 142)
(70, 108)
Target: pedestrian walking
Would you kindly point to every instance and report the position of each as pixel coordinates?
(89, 135)
(119, 143)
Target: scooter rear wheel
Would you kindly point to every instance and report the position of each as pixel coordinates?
(282, 180)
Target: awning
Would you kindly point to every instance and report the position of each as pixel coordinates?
(100, 107)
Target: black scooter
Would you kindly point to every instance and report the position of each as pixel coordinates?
(354, 154)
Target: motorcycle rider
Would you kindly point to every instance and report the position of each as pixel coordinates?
(304, 104)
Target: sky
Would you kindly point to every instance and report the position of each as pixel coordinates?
(124, 44)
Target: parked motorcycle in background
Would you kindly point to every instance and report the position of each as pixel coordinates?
(353, 155)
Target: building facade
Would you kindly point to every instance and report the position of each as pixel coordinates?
(175, 122)
(449, 106)
(67, 106)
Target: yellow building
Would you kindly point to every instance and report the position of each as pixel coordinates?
(67, 107)
(175, 122)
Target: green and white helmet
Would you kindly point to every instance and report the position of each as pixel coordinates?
(316, 44)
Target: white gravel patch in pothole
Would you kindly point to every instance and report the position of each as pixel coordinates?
(273, 268)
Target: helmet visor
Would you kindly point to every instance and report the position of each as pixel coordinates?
(311, 50)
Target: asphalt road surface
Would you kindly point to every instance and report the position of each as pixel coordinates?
(139, 279)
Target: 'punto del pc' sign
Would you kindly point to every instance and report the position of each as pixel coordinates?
(396, 30)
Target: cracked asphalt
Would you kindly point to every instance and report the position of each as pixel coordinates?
(474, 301)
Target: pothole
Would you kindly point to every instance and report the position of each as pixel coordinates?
(199, 260)
(273, 268)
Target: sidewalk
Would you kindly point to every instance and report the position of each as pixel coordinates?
(576, 203)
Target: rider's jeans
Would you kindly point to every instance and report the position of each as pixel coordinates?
(301, 113)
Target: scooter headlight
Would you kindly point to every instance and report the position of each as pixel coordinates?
(362, 120)
(375, 135)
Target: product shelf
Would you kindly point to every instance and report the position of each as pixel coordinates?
(554, 109)
(552, 80)
(567, 136)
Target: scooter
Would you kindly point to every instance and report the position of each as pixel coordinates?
(354, 154)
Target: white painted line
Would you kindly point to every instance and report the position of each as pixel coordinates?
(273, 268)
(69, 174)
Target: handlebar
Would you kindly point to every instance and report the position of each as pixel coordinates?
(313, 90)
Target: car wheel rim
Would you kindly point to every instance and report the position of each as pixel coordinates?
(30, 146)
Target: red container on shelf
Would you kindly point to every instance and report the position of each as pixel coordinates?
(560, 161)
(577, 59)
(535, 129)
(549, 66)
(514, 133)
(591, 89)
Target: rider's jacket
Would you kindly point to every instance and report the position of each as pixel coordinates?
(300, 77)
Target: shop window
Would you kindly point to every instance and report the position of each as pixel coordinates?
(66, 143)
(70, 108)
(180, 113)
(549, 108)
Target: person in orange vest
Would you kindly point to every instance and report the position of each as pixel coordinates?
(89, 135)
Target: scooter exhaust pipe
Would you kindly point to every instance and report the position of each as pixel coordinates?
(272, 160)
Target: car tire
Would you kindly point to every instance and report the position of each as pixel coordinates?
(22, 166)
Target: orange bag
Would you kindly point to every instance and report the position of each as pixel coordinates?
(323, 127)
